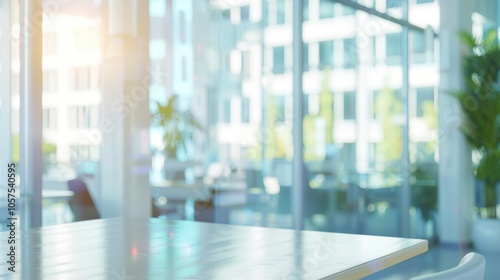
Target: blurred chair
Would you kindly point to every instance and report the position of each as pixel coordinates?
(81, 203)
(471, 267)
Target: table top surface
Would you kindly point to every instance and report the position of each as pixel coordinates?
(160, 249)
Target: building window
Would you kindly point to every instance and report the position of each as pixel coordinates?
(348, 154)
(419, 48)
(350, 53)
(326, 9)
(279, 102)
(279, 60)
(245, 13)
(87, 39)
(85, 78)
(423, 153)
(374, 50)
(393, 3)
(386, 102)
(182, 27)
(325, 54)
(246, 64)
(425, 97)
(157, 8)
(418, 42)
(349, 105)
(83, 117)
(49, 118)
(393, 48)
(305, 104)
(372, 155)
(82, 39)
(265, 13)
(227, 111)
(424, 1)
(348, 11)
(305, 10)
(50, 81)
(49, 43)
(281, 12)
(81, 78)
(245, 109)
(14, 83)
(183, 69)
(305, 56)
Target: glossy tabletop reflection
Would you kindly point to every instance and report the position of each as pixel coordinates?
(160, 249)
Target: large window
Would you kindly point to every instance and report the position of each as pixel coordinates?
(353, 140)
(229, 76)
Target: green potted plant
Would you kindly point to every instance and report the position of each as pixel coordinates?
(480, 104)
(178, 129)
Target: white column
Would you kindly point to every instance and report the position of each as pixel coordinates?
(456, 182)
(124, 189)
(5, 91)
(31, 111)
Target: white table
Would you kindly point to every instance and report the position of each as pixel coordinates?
(159, 249)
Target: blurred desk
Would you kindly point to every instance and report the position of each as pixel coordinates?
(54, 202)
(224, 192)
(159, 249)
(208, 202)
(57, 195)
(48, 196)
(179, 190)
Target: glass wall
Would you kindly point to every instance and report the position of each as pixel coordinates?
(224, 115)
(423, 119)
(71, 92)
(353, 132)
(71, 63)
